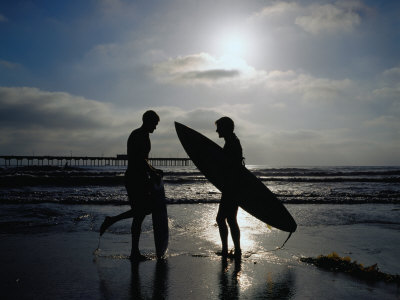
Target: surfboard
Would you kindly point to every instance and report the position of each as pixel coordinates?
(160, 219)
(252, 195)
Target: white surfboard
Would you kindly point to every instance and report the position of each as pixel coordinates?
(160, 219)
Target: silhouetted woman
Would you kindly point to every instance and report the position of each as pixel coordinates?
(228, 207)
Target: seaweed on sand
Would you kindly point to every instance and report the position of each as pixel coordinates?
(333, 262)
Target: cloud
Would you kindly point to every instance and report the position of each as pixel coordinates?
(205, 69)
(55, 123)
(321, 147)
(340, 16)
(388, 92)
(34, 120)
(310, 88)
(386, 122)
(277, 9)
(52, 123)
(393, 72)
(389, 84)
(329, 18)
(9, 65)
(116, 9)
(210, 75)
(123, 56)
(24, 106)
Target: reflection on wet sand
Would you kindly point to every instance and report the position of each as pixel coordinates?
(234, 283)
(160, 281)
(280, 287)
(199, 278)
(229, 283)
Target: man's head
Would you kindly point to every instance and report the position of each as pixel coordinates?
(150, 120)
(225, 126)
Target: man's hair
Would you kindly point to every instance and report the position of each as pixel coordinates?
(150, 116)
(226, 122)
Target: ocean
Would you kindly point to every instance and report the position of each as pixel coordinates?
(104, 185)
(348, 195)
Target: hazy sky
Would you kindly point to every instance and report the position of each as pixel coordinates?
(306, 82)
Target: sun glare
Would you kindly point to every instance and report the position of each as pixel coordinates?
(233, 43)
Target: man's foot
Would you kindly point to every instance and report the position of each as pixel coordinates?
(106, 223)
(223, 253)
(137, 257)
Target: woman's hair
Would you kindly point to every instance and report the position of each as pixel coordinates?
(226, 123)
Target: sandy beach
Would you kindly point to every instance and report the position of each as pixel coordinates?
(57, 262)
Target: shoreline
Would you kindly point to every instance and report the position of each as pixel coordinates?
(57, 262)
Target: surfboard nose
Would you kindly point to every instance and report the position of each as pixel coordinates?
(179, 127)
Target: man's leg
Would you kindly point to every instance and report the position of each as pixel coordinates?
(108, 221)
(136, 230)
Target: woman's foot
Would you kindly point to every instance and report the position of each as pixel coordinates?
(106, 223)
(238, 253)
(223, 253)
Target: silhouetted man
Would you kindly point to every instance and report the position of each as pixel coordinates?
(138, 178)
(228, 207)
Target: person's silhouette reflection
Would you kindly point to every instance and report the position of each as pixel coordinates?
(160, 287)
(160, 281)
(136, 292)
(229, 283)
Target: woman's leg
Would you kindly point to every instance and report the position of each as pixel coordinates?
(235, 232)
(223, 229)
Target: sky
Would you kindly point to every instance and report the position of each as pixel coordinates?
(307, 83)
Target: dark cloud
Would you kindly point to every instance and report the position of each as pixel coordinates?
(23, 107)
(211, 74)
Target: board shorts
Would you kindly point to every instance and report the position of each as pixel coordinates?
(139, 189)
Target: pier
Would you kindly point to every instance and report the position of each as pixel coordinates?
(119, 160)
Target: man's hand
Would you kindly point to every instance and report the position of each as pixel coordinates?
(156, 175)
(160, 172)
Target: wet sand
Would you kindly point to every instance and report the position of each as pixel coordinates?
(59, 264)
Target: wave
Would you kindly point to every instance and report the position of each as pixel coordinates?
(332, 179)
(171, 201)
(78, 180)
(323, 173)
(72, 185)
(19, 179)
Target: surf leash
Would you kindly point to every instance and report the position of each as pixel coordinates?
(281, 247)
(95, 252)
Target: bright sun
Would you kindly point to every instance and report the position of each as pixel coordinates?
(233, 43)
